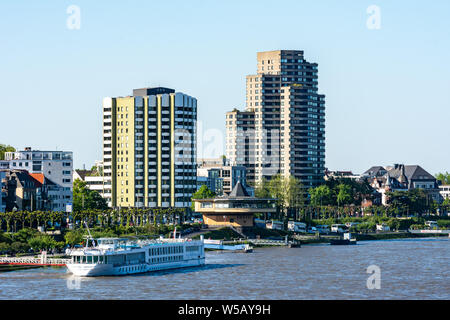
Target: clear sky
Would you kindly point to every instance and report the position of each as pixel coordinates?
(387, 90)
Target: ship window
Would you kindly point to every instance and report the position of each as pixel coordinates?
(95, 259)
(89, 259)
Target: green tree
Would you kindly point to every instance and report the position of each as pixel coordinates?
(73, 237)
(85, 199)
(23, 235)
(415, 201)
(320, 195)
(344, 195)
(444, 178)
(97, 171)
(43, 242)
(358, 190)
(262, 189)
(278, 191)
(288, 192)
(5, 148)
(203, 193)
(4, 247)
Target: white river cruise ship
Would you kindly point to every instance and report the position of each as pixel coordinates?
(116, 256)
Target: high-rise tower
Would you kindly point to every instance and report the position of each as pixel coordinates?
(149, 148)
(282, 130)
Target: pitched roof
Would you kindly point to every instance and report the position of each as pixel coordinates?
(412, 173)
(25, 179)
(38, 176)
(238, 191)
(41, 179)
(375, 171)
(84, 173)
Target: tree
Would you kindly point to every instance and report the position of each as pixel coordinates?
(320, 195)
(262, 189)
(344, 195)
(295, 193)
(203, 193)
(278, 191)
(24, 235)
(444, 178)
(5, 148)
(97, 171)
(43, 242)
(295, 198)
(415, 201)
(83, 198)
(288, 192)
(419, 201)
(73, 237)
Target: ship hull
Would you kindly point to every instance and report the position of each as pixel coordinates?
(96, 270)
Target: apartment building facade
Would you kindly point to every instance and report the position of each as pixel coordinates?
(149, 148)
(282, 130)
(222, 177)
(56, 166)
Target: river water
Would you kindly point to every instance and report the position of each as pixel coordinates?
(408, 269)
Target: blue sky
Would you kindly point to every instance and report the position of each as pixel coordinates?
(387, 90)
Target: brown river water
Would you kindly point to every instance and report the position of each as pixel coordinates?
(408, 269)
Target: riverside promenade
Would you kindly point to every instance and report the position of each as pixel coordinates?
(32, 261)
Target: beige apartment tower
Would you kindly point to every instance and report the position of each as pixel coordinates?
(282, 129)
(149, 148)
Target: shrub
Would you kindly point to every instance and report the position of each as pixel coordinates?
(43, 242)
(366, 226)
(25, 234)
(4, 248)
(417, 226)
(444, 224)
(73, 237)
(17, 247)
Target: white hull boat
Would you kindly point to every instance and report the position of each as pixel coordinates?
(115, 256)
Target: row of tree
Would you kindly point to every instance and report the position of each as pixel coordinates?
(343, 197)
(13, 221)
(340, 192)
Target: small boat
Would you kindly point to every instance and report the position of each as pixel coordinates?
(295, 244)
(343, 241)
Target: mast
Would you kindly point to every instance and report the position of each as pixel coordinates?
(90, 236)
